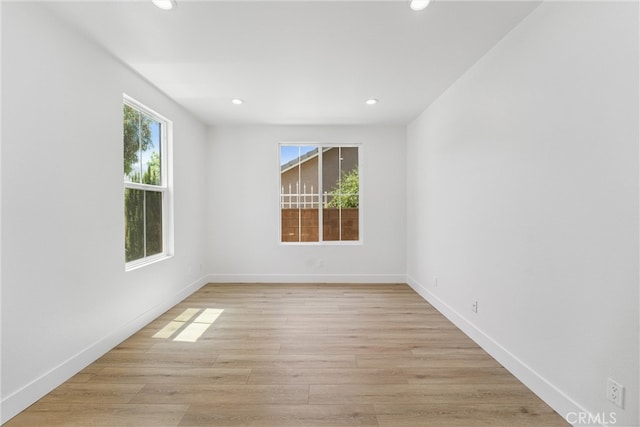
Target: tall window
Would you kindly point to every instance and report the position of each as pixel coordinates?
(146, 184)
(319, 193)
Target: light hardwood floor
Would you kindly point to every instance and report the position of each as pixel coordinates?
(295, 355)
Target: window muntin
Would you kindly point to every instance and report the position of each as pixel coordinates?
(146, 184)
(319, 193)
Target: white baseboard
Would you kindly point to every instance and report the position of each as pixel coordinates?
(16, 402)
(307, 278)
(550, 394)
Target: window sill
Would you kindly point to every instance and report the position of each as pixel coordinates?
(134, 265)
(327, 243)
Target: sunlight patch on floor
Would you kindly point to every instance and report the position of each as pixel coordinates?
(189, 331)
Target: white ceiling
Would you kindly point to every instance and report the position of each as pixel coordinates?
(298, 62)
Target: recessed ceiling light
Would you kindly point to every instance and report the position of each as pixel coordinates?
(237, 101)
(419, 4)
(165, 4)
(371, 101)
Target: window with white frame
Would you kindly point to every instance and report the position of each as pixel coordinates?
(320, 193)
(146, 136)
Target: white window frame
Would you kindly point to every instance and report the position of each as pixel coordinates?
(321, 242)
(165, 187)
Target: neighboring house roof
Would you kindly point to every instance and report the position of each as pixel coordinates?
(302, 159)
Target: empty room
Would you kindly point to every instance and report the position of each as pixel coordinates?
(304, 213)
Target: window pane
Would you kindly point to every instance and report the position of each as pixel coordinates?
(339, 224)
(340, 177)
(331, 224)
(290, 225)
(131, 128)
(150, 150)
(349, 162)
(350, 222)
(134, 224)
(153, 223)
(309, 225)
(288, 176)
(308, 195)
(341, 190)
(299, 199)
(330, 169)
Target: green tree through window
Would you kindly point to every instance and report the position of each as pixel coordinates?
(145, 190)
(346, 193)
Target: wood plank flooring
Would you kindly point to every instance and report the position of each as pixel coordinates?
(294, 355)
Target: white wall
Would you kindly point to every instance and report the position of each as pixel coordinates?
(244, 207)
(523, 194)
(66, 298)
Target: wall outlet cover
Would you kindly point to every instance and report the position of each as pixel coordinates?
(615, 392)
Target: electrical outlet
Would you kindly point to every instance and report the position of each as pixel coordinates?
(615, 392)
(474, 307)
